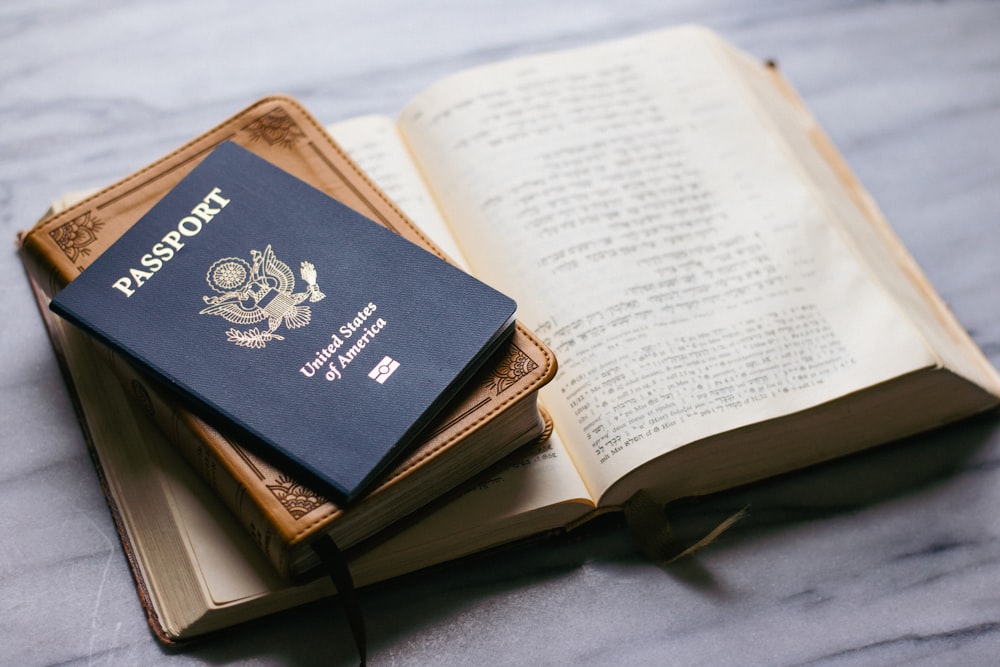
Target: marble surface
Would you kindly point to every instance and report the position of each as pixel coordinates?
(889, 557)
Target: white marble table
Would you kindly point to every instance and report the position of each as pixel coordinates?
(890, 557)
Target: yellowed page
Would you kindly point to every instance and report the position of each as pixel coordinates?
(862, 222)
(655, 232)
(374, 143)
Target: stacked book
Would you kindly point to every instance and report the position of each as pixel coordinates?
(726, 303)
(324, 436)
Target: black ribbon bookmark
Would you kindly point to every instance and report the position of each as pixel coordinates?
(336, 566)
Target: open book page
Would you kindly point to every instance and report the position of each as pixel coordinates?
(374, 143)
(660, 238)
(869, 233)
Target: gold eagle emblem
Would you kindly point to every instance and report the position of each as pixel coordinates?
(262, 290)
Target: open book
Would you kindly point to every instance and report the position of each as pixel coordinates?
(725, 300)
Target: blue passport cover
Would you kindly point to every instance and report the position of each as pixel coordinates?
(284, 316)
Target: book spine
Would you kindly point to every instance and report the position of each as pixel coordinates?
(239, 479)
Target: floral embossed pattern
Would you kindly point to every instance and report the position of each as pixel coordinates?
(297, 499)
(275, 127)
(74, 236)
(514, 367)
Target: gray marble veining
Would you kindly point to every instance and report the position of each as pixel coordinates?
(889, 557)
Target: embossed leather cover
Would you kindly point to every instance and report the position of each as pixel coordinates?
(495, 413)
(289, 319)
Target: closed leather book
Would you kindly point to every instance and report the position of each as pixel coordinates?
(325, 337)
(495, 413)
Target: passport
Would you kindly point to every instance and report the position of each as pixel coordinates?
(287, 319)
